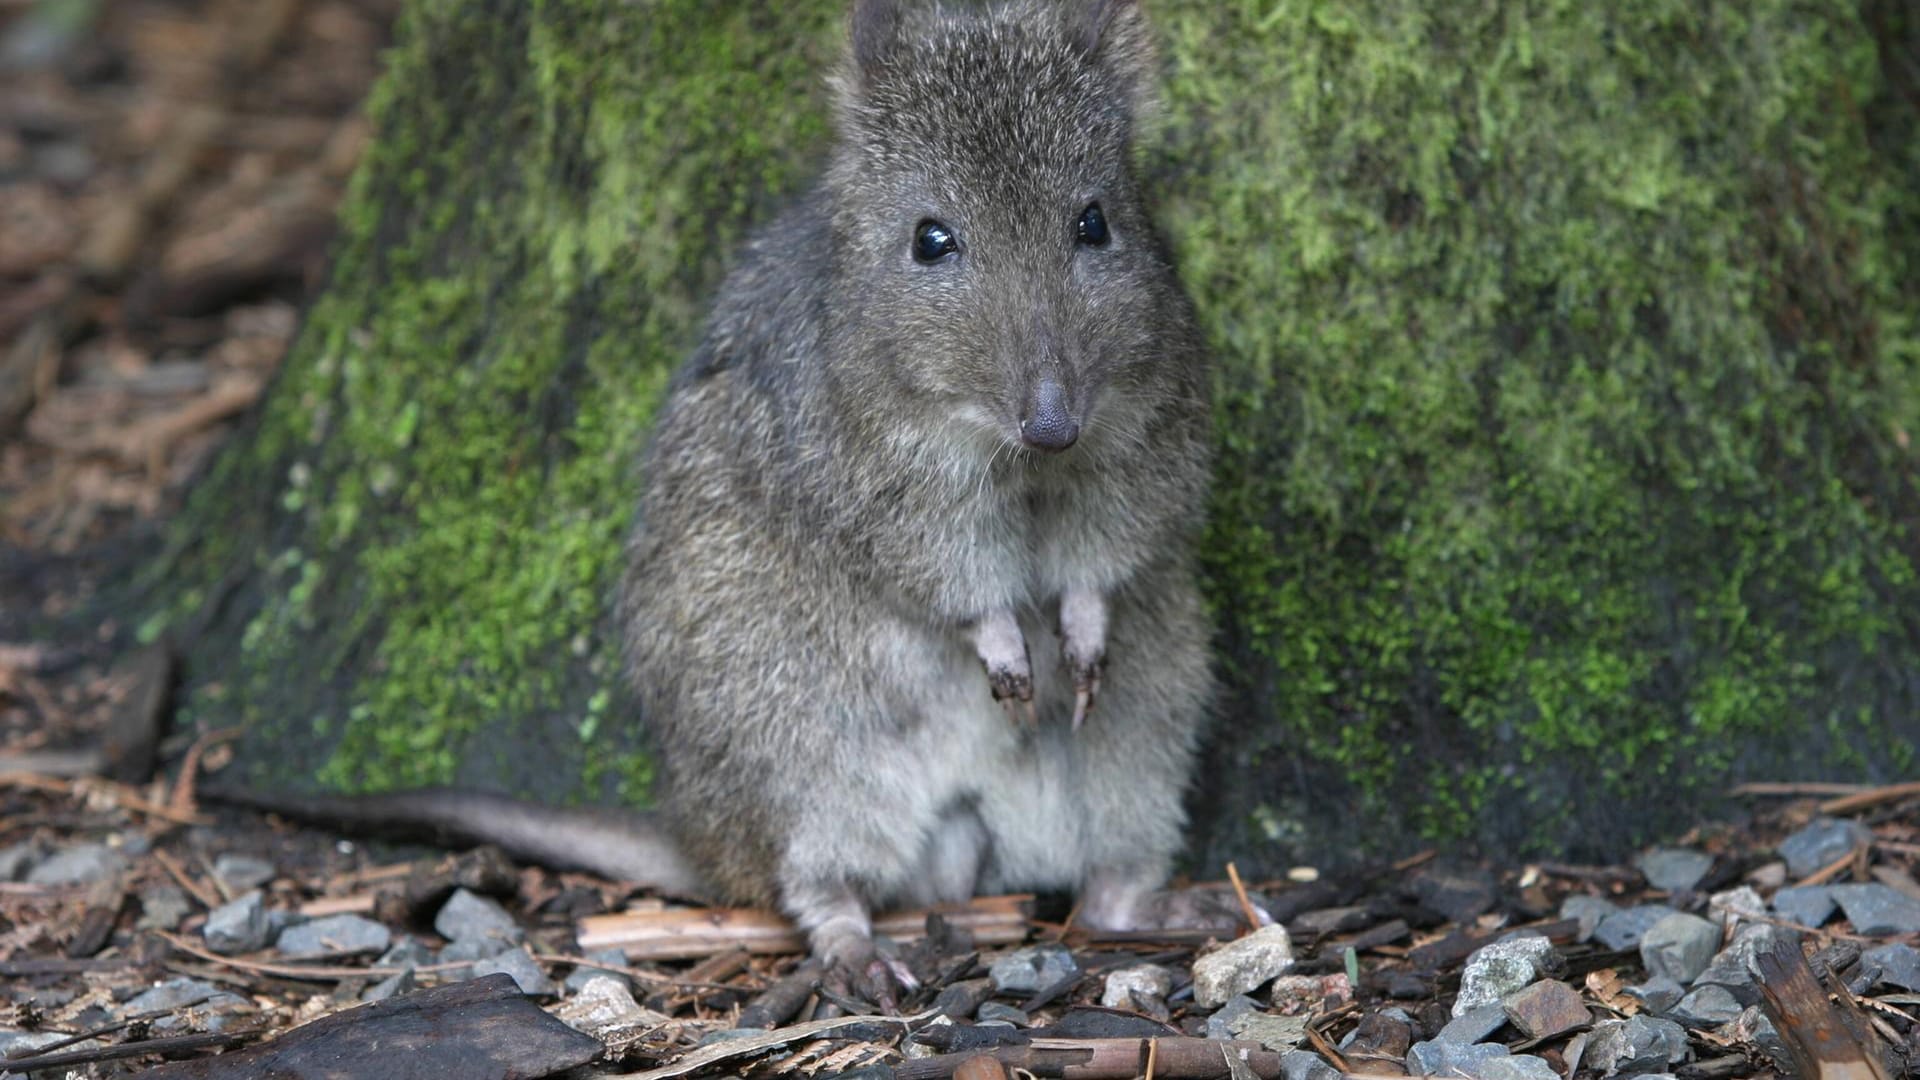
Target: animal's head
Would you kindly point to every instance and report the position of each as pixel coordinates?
(987, 216)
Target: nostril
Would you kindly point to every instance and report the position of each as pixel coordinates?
(1049, 425)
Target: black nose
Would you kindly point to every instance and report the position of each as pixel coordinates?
(1049, 426)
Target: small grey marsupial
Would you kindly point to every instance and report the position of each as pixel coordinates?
(911, 607)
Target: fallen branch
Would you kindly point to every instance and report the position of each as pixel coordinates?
(1861, 800)
(1824, 1045)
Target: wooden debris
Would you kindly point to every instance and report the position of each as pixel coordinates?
(479, 1028)
(690, 933)
(1174, 1058)
(1824, 1044)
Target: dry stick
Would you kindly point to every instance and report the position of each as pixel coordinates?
(1153, 1045)
(1773, 789)
(182, 801)
(1327, 1049)
(206, 896)
(1847, 804)
(309, 972)
(1246, 904)
(1815, 1030)
(1828, 872)
(125, 796)
(170, 1044)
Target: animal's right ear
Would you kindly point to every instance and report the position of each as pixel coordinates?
(875, 33)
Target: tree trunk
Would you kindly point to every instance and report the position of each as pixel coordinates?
(1568, 359)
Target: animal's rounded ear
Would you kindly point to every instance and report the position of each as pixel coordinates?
(1113, 33)
(875, 31)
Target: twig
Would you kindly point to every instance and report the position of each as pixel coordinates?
(169, 1044)
(1327, 1049)
(1775, 789)
(1828, 872)
(1246, 904)
(310, 972)
(1847, 804)
(1153, 1045)
(182, 801)
(207, 897)
(122, 794)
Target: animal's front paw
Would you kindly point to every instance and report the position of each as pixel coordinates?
(856, 967)
(1003, 652)
(1083, 646)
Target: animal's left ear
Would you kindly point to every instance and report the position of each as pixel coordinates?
(1115, 34)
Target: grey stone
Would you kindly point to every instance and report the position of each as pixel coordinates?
(604, 1007)
(1808, 905)
(1220, 1024)
(240, 925)
(1732, 906)
(1306, 1065)
(335, 934)
(1517, 1067)
(408, 951)
(1436, 1058)
(1895, 965)
(162, 907)
(1242, 966)
(1709, 1006)
(525, 970)
(1547, 1008)
(1640, 1045)
(392, 986)
(1770, 876)
(479, 948)
(243, 871)
(16, 1042)
(1589, 910)
(1878, 909)
(1499, 969)
(179, 993)
(1674, 869)
(1623, 929)
(467, 916)
(1732, 968)
(1271, 1030)
(1679, 947)
(82, 865)
(1822, 841)
(1146, 980)
(1034, 968)
(577, 981)
(994, 1010)
(1474, 1025)
(1658, 993)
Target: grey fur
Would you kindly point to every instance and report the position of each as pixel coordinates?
(838, 498)
(846, 553)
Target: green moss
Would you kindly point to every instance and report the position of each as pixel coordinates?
(1567, 359)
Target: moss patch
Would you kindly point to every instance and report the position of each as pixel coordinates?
(1568, 356)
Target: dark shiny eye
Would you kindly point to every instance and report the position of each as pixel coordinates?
(933, 241)
(1093, 226)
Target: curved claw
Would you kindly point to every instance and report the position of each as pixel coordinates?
(1086, 689)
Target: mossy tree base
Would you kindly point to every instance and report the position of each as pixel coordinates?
(1568, 360)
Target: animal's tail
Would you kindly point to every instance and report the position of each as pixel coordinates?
(621, 845)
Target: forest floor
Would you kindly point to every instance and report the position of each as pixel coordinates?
(168, 173)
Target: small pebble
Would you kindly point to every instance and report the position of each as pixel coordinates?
(1220, 1024)
(1517, 1067)
(1474, 1025)
(467, 916)
(1306, 1065)
(1435, 1058)
(526, 972)
(1674, 869)
(994, 1010)
(162, 907)
(1641, 1044)
(1807, 905)
(1709, 1006)
(1679, 947)
(1822, 842)
(242, 872)
(335, 934)
(178, 993)
(1896, 965)
(81, 865)
(1769, 876)
(578, 980)
(1878, 909)
(238, 926)
(1732, 966)
(604, 1006)
(1546, 1009)
(1734, 905)
(1622, 929)
(1499, 969)
(391, 986)
(1146, 980)
(1589, 910)
(1242, 966)
(1658, 993)
(1032, 969)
